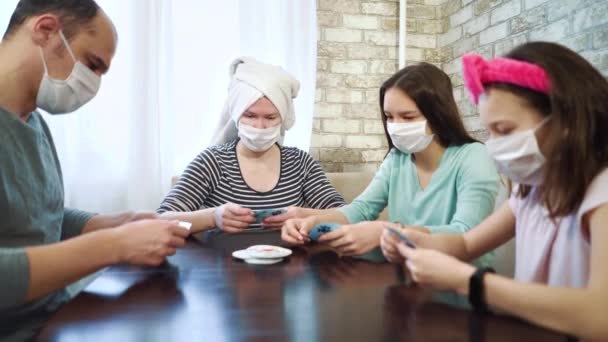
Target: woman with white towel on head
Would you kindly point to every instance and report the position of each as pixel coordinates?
(247, 168)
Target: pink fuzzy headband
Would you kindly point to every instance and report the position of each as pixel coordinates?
(478, 71)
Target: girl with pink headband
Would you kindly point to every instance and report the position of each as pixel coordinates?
(546, 109)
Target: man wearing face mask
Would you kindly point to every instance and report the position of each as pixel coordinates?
(53, 55)
(248, 169)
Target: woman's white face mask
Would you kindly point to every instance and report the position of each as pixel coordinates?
(259, 139)
(409, 137)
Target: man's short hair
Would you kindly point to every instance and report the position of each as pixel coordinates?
(73, 14)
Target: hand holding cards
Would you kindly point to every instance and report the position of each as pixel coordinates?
(321, 229)
(401, 236)
(260, 215)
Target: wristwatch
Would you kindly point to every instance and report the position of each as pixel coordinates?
(477, 290)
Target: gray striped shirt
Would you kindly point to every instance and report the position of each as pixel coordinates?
(214, 178)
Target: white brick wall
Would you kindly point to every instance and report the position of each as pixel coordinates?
(422, 40)
(553, 33)
(328, 110)
(382, 38)
(372, 52)
(340, 6)
(364, 141)
(373, 126)
(349, 67)
(462, 16)
(367, 22)
(495, 27)
(591, 16)
(372, 96)
(373, 155)
(533, 3)
(506, 11)
(341, 126)
(357, 51)
(326, 140)
(477, 24)
(413, 54)
(333, 95)
(449, 37)
(343, 35)
(493, 34)
(364, 111)
(381, 8)
(383, 67)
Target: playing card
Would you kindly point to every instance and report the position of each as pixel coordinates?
(260, 215)
(185, 225)
(321, 229)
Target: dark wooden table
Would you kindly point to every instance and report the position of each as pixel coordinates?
(202, 294)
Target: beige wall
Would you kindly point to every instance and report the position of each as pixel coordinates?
(358, 50)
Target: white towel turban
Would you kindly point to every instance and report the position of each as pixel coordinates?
(252, 80)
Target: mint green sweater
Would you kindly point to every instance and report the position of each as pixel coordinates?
(31, 210)
(460, 194)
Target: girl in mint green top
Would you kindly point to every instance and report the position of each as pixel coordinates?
(459, 195)
(435, 178)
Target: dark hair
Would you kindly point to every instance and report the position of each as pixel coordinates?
(72, 13)
(574, 141)
(431, 89)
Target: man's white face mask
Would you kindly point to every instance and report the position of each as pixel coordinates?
(66, 96)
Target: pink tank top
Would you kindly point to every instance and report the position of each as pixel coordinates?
(554, 254)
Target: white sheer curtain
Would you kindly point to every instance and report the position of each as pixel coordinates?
(161, 100)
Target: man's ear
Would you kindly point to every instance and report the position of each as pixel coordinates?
(43, 28)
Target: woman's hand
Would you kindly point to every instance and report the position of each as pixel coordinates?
(354, 239)
(232, 218)
(389, 242)
(277, 222)
(435, 269)
(295, 231)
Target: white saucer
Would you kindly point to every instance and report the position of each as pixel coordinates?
(268, 252)
(242, 254)
(256, 261)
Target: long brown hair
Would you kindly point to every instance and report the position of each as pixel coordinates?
(431, 89)
(575, 139)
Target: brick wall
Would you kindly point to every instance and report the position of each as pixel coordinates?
(357, 51)
(493, 27)
(358, 47)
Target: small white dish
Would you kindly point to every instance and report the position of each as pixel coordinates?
(256, 261)
(242, 254)
(268, 252)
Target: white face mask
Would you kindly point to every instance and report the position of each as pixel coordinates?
(518, 157)
(65, 96)
(409, 137)
(259, 140)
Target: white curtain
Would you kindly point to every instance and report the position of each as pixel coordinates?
(158, 105)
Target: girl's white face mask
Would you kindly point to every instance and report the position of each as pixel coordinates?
(409, 137)
(518, 156)
(259, 140)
